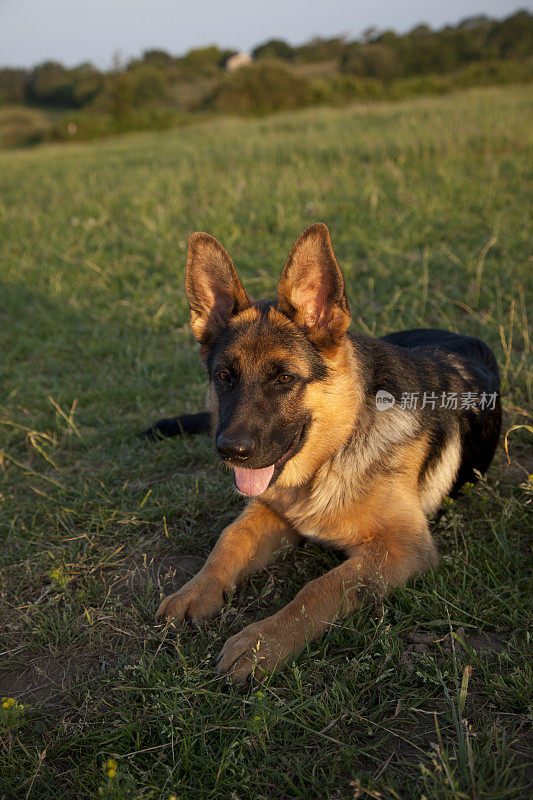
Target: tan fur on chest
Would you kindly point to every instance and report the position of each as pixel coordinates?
(343, 506)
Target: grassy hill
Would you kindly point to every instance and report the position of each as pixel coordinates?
(427, 202)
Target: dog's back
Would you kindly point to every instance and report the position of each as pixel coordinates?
(480, 417)
(479, 355)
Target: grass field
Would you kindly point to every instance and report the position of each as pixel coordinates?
(428, 206)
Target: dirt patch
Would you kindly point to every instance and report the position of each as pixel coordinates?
(486, 643)
(44, 680)
(520, 466)
(423, 642)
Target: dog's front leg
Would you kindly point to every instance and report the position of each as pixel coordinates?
(245, 546)
(373, 568)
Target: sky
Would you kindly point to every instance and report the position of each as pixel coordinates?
(72, 31)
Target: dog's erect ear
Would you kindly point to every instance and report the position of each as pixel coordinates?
(214, 290)
(311, 288)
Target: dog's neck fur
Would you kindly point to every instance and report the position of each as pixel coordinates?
(336, 403)
(350, 447)
(308, 488)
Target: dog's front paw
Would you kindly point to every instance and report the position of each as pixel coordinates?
(257, 649)
(199, 600)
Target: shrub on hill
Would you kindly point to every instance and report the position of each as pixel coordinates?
(85, 125)
(259, 89)
(512, 37)
(339, 89)
(137, 87)
(158, 58)
(51, 84)
(319, 49)
(474, 40)
(13, 85)
(203, 61)
(274, 48)
(21, 126)
(372, 61)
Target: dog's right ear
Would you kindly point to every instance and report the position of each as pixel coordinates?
(214, 290)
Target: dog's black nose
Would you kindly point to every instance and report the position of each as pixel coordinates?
(236, 447)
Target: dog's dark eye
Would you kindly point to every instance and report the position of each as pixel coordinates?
(285, 379)
(224, 376)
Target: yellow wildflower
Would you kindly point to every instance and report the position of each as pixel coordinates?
(110, 767)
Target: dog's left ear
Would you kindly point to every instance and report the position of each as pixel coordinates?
(311, 288)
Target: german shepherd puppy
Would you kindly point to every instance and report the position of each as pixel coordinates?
(338, 438)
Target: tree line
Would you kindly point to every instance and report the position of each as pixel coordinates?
(153, 90)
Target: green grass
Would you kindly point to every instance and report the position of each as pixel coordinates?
(427, 202)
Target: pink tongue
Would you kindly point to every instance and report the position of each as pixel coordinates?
(253, 481)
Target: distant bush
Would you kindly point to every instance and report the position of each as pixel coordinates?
(319, 49)
(203, 61)
(372, 61)
(498, 71)
(22, 126)
(315, 50)
(87, 85)
(420, 85)
(259, 89)
(13, 85)
(338, 89)
(485, 73)
(85, 125)
(512, 37)
(50, 84)
(274, 48)
(157, 58)
(137, 87)
(423, 51)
